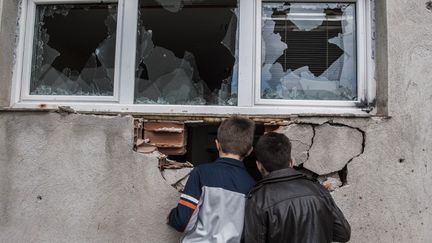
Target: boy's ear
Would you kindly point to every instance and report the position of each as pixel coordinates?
(261, 168)
(217, 144)
(249, 152)
(258, 165)
(291, 163)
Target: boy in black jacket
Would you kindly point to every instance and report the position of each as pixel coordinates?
(286, 206)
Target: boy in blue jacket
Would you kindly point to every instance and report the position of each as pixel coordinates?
(211, 207)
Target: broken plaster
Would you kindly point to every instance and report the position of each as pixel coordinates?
(322, 150)
(333, 147)
(325, 149)
(177, 178)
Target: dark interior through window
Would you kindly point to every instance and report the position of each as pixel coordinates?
(186, 52)
(74, 49)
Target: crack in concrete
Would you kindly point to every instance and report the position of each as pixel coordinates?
(312, 142)
(298, 141)
(342, 173)
(313, 135)
(334, 124)
(363, 133)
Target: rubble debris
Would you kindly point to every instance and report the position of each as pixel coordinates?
(165, 163)
(333, 147)
(331, 182)
(66, 61)
(331, 76)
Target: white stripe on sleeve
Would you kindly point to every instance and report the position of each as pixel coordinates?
(192, 199)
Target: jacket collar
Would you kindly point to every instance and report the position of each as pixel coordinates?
(229, 161)
(279, 175)
(287, 174)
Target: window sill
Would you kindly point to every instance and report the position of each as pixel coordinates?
(197, 111)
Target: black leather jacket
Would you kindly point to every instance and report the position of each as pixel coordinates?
(288, 207)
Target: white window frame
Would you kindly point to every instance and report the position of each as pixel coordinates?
(28, 34)
(249, 68)
(363, 61)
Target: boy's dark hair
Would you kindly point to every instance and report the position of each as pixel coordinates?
(273, 150)
(235, 135)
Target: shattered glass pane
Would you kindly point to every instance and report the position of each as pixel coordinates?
(308, 51)
(74, 49)
(187, 52)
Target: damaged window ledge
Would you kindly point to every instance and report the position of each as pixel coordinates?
(198, 111)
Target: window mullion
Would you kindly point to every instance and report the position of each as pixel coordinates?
(246, 54)
(128, 50)
(370, 28)
(362, 37)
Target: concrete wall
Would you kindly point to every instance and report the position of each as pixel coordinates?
(74, 178)
(8, 30)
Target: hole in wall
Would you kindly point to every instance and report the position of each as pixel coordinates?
(201, 148)
(184, 145)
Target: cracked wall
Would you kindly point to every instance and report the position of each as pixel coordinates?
(53, 191)
(324, 149)
(74, 177)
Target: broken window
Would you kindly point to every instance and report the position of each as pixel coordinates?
(74, 49)
(308, 51)
(277, 57)
(187, 52)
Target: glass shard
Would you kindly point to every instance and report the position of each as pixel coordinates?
(308, 51)
(74, 49)
(187, 52)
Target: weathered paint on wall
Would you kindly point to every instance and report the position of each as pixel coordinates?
(75, 178)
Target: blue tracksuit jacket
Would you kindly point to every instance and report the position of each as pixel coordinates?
(211, 208)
